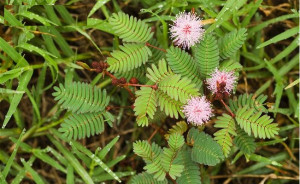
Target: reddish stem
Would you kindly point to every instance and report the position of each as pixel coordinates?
(227, 108)
(125, 87)
(152, 135)
(149, 45)
(138, 85)
(109, 74)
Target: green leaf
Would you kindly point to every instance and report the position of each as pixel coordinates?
(223, 136)
(145, 178)
(205, 150)
(130, 56)
(130, 29)
(254, 123)
(244, 142)
(180, 127)
(176, 141)
(145, 104)
(168, 105)
(232, 42)
(178, 88)
(79, 126)
(255, 102)
(156, 74)
(206, 55)
(183, 64)
(81, 97)
(190, 173)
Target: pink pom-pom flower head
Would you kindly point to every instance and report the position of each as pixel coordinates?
(187, 30)
(221, 83)
(197, 110)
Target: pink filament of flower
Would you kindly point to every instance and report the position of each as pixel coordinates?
(187, 29)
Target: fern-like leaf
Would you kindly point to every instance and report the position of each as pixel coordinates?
(143, 149)
(180, 128)
(81, 97)
(145, 178)
(206, 55)
(139, 73)
(183, 64)
(157, 74)
(254, 123)
(231, 65)
(159, 116)
(129, 57)
(170, 106)
(152, 156)
(175, 142)
(223, 136)
(205, 149)
(249, 100)
(178, 88)
(232, 42)
(244, 142)
(145, 104)
(190, 173)
(130, 29)
(79, 126)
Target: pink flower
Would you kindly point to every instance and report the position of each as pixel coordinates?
(197, 110)
(221, 82)
(186, 30)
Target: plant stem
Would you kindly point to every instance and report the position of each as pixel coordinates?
(138, 85)
(125, 87)
(149, 45)
(227, 108)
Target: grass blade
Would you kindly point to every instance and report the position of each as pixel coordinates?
(13, 155)
(72, 160)
(36, 177)
(24, 80)
(98, 5)
(282, 36)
